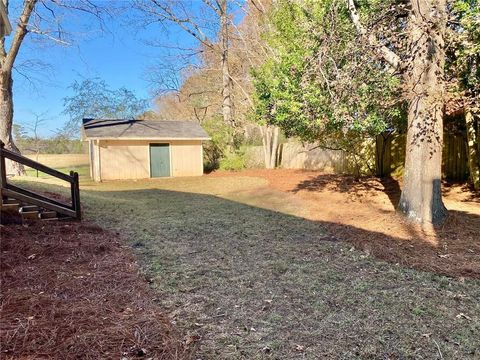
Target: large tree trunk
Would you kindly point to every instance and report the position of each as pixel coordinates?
(6, 120)
(270, 145)
(6, 83)
(473, 149)
(227, 104)
(421, 199)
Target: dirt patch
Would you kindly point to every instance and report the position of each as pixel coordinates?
(70, 290)
(363, 213)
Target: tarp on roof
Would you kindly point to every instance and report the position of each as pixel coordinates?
(142, 129)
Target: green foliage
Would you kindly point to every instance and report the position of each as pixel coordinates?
(93, 98)
(215, 149)
(463, 48)
(234, 161)
(321, 84)
(59, 144)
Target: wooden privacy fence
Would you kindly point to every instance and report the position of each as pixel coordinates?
(294, 155)
(454, 156)
(9, 190)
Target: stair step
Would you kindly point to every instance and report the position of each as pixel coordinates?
(10, 201)
(10, 206)
(48, 215)
(29, 208)
(53, 218)
(29, 214)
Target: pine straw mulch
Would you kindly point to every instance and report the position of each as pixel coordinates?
(69, 290)
(362, 212)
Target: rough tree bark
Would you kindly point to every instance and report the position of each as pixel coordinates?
(227, 104)
(270, 145)
(421, 199)
(7, 60)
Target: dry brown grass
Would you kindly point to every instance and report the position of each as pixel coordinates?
(244, 266)
(363, 213)
(61, 160)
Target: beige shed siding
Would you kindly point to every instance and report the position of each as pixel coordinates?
(186, 158)
(130, 159)
(96, 161)
(123, 159)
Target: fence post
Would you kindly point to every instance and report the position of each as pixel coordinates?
(3, 171)
(78, 209)
(75, 192)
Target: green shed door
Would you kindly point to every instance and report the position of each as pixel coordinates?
(159, 160)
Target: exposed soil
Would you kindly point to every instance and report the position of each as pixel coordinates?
(363, 213)
(69, 290)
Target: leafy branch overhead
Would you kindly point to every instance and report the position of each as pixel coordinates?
(93, 98)
(321, 85)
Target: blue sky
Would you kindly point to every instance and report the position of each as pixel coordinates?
(120, 56)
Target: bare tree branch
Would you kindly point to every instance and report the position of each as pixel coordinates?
(388, 55)
(20, 33)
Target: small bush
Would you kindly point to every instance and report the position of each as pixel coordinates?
(233, 161)
(215, 149)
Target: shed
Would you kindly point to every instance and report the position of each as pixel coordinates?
(140, 149)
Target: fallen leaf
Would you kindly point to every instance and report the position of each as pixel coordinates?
(191, 339)
(299, 348)
(462, 315)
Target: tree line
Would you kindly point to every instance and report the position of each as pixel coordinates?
(335, 73)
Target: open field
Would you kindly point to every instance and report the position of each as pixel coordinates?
(247, 266)
(61, 160)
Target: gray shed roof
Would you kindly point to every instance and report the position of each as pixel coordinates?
(142, 130)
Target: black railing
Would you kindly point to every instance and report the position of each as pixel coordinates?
(9, 190)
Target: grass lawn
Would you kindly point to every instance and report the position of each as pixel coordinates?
(83, 170)
(236, 264)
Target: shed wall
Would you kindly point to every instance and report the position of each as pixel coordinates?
(130, 159)
(187, 158)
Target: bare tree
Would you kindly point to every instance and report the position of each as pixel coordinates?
(227, 107)
(34, 128)
(248, 52)
(7, 59)
(228, 51)
(423, 69)
(40, 18)
(203, 27)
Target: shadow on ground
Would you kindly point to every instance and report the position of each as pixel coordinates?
(252, 282)
(255, 283)
(358, 213)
